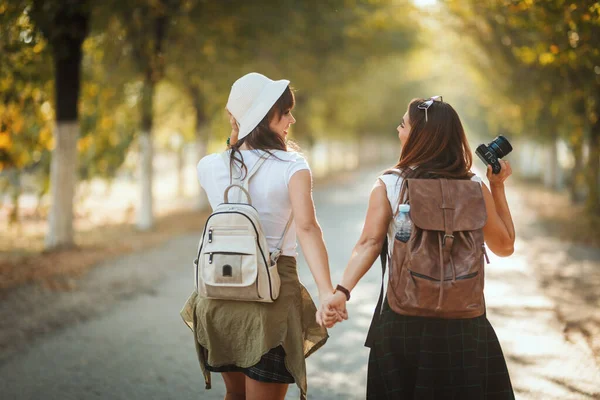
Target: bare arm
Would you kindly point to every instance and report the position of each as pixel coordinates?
(368, 247)
(309, 232)
(499, 230)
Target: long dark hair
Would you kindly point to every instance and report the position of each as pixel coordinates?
(262, 137)
(436, 148)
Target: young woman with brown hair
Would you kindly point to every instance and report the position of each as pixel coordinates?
(260, 348)
(418, 357)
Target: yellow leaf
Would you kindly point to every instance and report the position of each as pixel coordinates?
(46, 137)
(106, 123)
(39, 46)
(84, 143)
(93, 89)
(546, 58)
(5, 142)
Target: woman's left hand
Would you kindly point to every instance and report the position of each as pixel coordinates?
(332, 310)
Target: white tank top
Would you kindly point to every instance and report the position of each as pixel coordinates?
(268, 189)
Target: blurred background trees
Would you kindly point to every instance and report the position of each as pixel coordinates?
(155, 76)
(542, 58)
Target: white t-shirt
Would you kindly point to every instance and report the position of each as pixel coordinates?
(393, 186)
(268, 190)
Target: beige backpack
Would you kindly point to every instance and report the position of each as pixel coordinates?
(233, 260)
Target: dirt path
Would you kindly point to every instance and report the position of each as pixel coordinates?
(121, 337)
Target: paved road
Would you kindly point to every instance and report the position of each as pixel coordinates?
(138, 348)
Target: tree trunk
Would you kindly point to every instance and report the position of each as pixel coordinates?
(180, 171)
(15, 195)
(576, 140)
(593, 170)
(551, 170)
(576, 172)
(63, 180)
(145, 216)
(149, 57)
(201, 142)
(67, 53)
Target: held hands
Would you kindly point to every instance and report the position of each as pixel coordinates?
(499, 178)
(332, 310)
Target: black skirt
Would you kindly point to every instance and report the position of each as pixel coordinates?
(270, 369)
(431, 358)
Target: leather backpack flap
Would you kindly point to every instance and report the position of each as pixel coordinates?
(427, 204)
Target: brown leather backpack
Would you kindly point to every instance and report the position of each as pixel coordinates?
(439, 272)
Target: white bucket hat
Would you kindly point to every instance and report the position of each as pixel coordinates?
(251, 98)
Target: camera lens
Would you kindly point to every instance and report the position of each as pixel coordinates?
(500, 146)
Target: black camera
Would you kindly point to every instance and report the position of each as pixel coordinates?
(495, 150)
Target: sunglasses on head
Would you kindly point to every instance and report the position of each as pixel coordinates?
(427, 103)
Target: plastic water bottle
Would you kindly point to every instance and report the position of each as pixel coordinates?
(403, 224)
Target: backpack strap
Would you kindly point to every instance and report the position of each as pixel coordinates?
(401, 199)
(277, 253)
(445, 243)
(241, 183)
(448, 208)
(384, 256)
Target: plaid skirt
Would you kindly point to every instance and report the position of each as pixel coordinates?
(431, 358)
(270, 369)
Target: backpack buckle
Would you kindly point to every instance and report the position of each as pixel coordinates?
(451, 237)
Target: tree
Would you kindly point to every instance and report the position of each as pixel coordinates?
(552, 47)
(65, 25)
(146, 23)
(25, 111)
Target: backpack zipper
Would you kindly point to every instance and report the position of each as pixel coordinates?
(210, 255)
(230, 231)
(487, 259)
(458, 278)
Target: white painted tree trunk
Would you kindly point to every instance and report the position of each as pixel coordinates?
(180, 153)
(201, 147)
(63, 178)
(551, 172)
(145, 216)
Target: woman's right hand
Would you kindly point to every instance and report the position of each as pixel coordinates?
(499, 178)
(499, 230)
(235, 130)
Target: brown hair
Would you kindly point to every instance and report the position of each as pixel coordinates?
(262, 137)
(436, 148)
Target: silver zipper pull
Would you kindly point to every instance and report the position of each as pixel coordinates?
(210, 233)
(485, 254)
(210, 258)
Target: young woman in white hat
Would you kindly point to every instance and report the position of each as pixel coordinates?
(260, 348)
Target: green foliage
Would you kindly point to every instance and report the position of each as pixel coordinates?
(334, 52)
(25, 110)
(330, 51)
(546, 58)
(108, 122)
